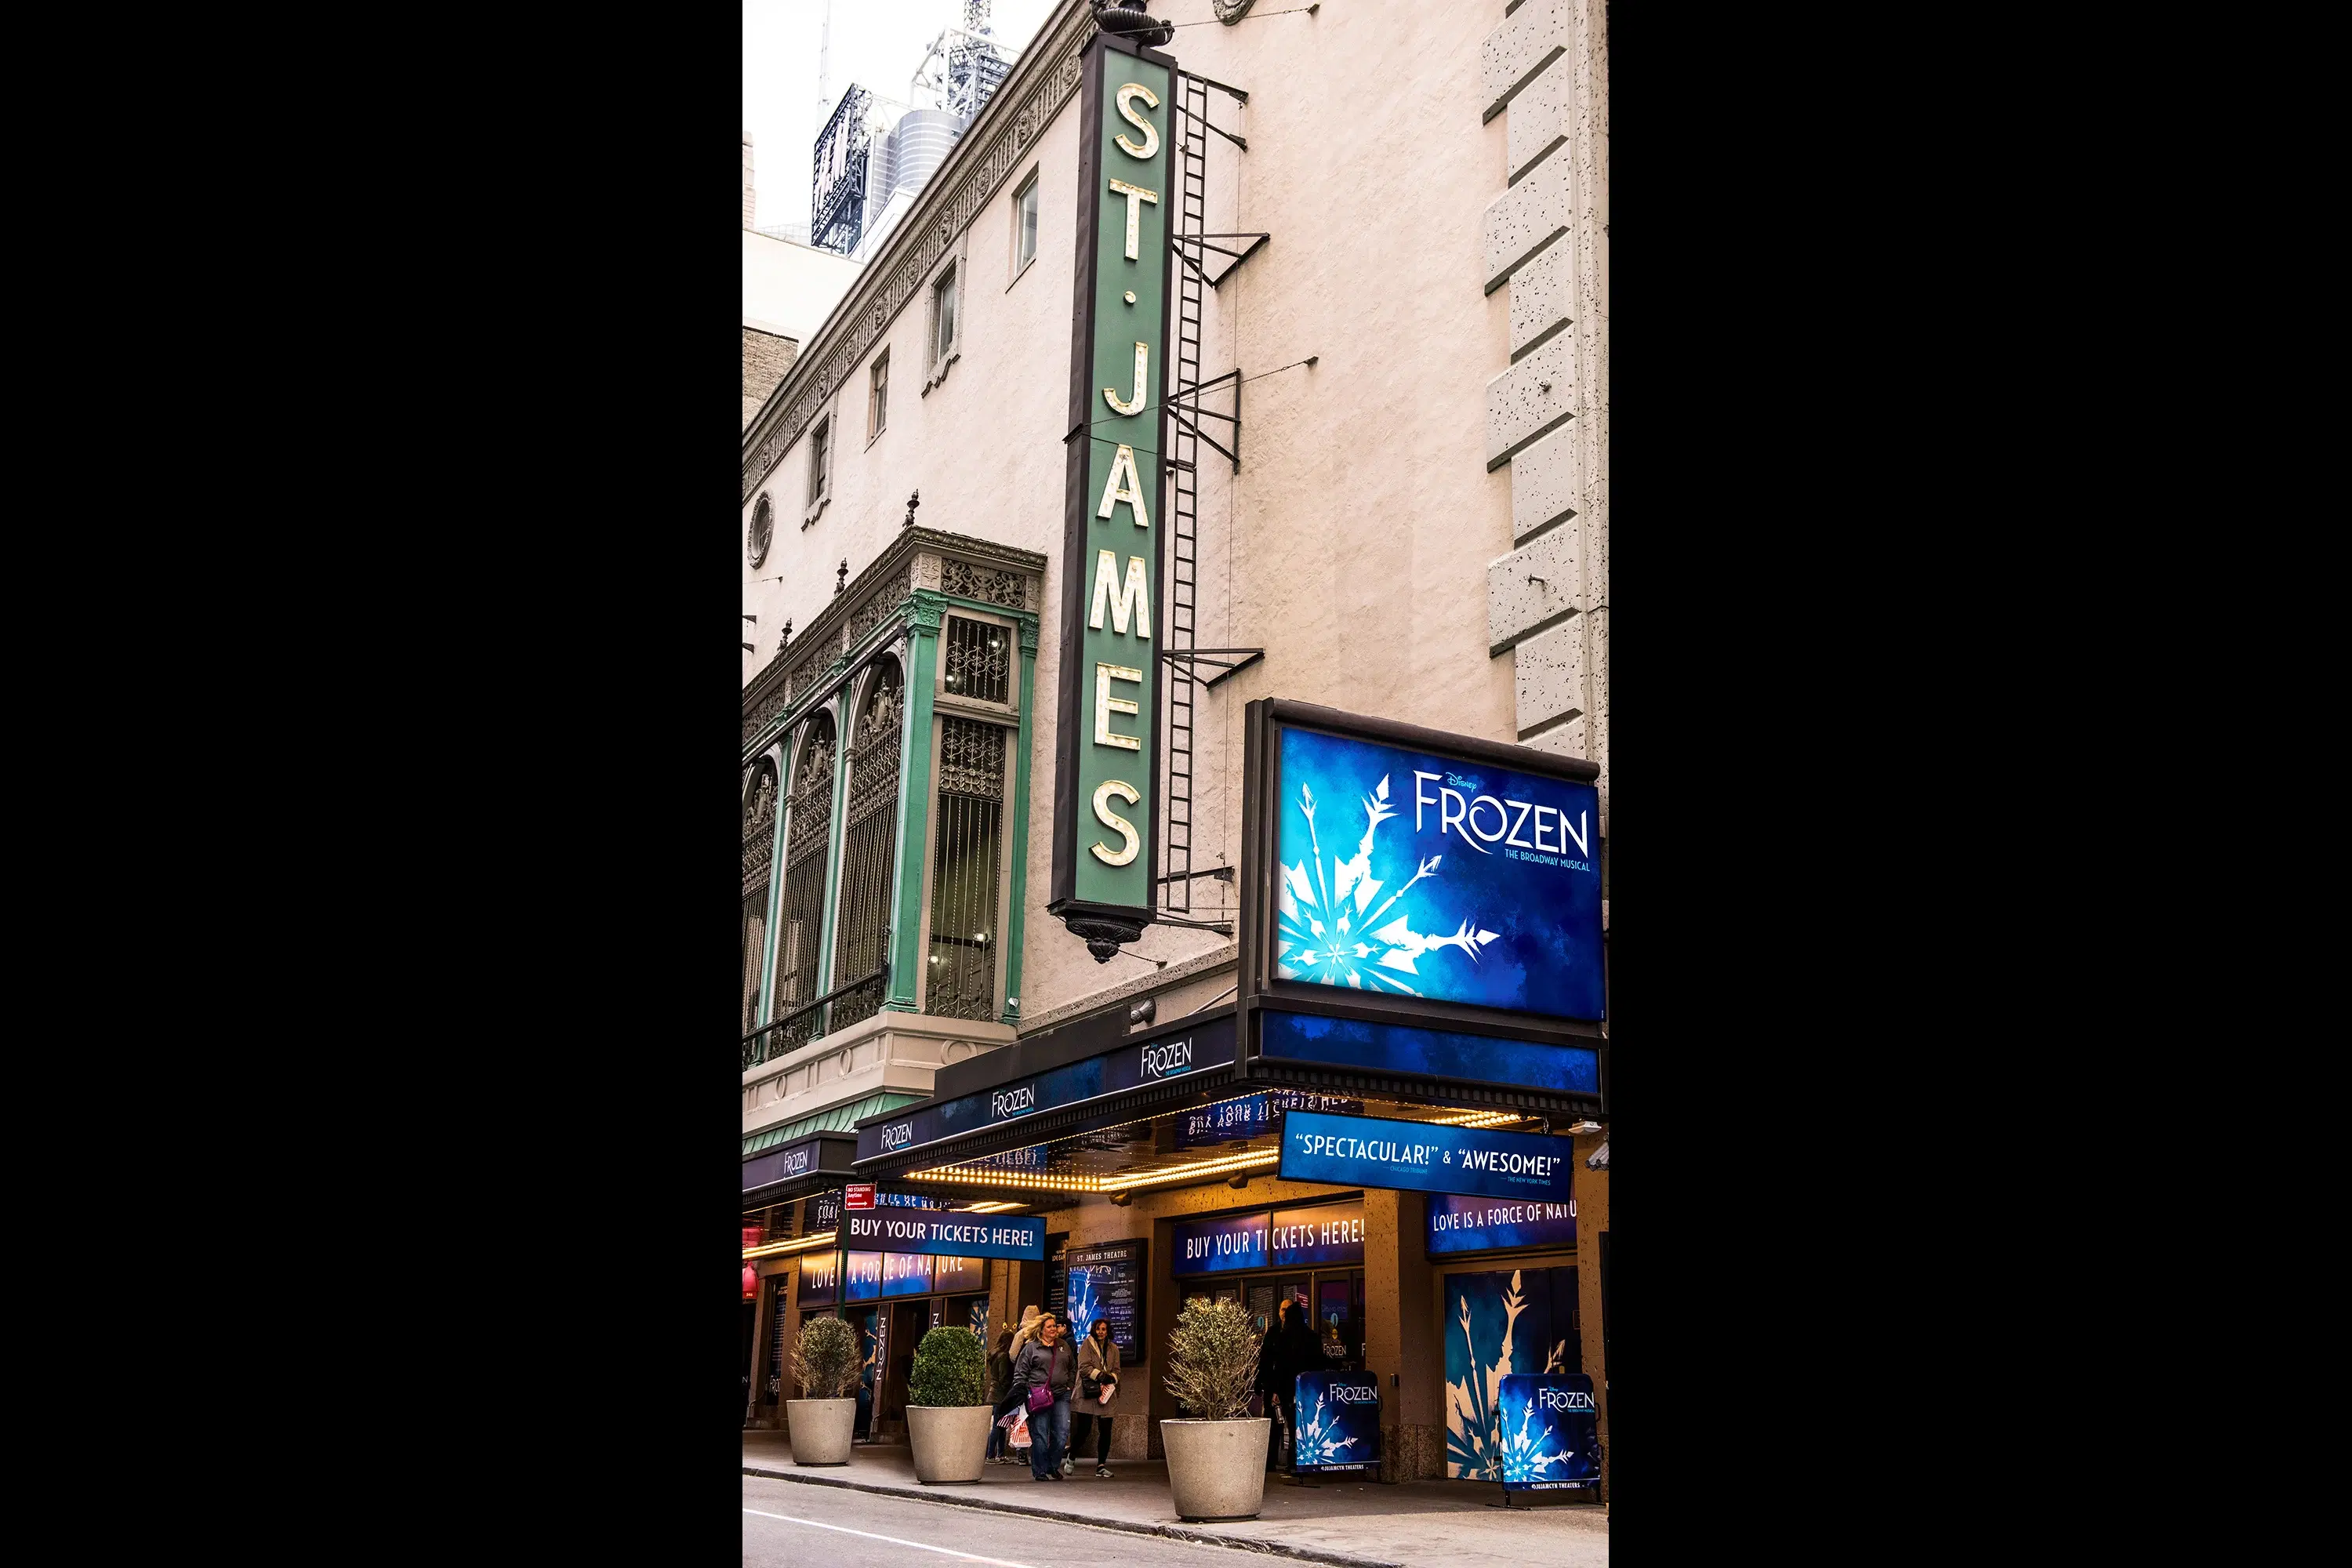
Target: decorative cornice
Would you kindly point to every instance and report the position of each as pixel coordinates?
(983, 157)
(865, 616)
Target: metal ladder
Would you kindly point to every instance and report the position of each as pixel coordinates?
(1192, 216)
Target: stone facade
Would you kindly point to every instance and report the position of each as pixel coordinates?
(1546, 243)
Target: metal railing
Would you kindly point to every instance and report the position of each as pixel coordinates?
(779, 1036)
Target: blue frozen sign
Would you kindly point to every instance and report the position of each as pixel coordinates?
(1419, 1156)
(1550, 1432)
(1339, 1422)
(1215, 1245)
(1405, 873)
(1459, 1224)
(1429, 1053)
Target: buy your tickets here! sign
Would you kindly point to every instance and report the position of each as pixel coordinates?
(1417, 1156)
(952, 1235)
(1104, 797)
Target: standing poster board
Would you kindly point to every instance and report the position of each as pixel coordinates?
(1550, 1432)
(1339, 1422)
(1109, 1280)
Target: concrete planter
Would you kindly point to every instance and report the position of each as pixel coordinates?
(951, 1441)
(820, 1429)
(1216, 1468)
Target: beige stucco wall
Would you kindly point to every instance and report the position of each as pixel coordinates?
(789, 289)
(1354, 545)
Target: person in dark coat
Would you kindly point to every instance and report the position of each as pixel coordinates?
(1000, 1389)
(1290, 1349)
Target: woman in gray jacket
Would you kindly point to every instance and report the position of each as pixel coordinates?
(1047, 1362)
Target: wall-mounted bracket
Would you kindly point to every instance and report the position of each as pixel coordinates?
(1227, 662)
(1178, 242)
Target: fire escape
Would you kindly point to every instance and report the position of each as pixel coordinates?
(1197, 250)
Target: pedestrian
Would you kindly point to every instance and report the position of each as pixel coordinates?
(1097, 1393)
(1047, 1362)
(1000, 1386)
(1290, 1349)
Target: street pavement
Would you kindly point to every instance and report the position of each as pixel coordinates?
(1340, 1520)
(787, 1525)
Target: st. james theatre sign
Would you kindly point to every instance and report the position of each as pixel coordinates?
(1106, 794)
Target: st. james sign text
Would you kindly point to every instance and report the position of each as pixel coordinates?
(1106, 794)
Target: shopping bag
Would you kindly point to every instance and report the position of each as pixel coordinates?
(1020, 1438)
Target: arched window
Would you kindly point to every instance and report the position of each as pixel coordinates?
(869, 842)
(808, 831)
(759, 854)
(967, 853)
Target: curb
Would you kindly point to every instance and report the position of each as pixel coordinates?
(1171, 1532)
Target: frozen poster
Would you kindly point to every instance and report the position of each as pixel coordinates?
(1339, 1422)
(1412, 875)
(1496, 1325)
(1550, 1432)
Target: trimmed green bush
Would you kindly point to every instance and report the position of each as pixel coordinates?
(1212, 1361)
(950, 1368)
(827, 1361)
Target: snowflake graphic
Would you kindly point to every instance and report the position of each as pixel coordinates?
(1083, 1307)
(1522, 1450)
(1330, 931)
(1475, 1445)
(1319, 1440)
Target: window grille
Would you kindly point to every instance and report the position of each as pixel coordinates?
(808, 832)
(868, 847)
(965, 866)
(979, 659)
(759, 850)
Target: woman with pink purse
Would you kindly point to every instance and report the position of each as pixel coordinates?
(1047, 1368)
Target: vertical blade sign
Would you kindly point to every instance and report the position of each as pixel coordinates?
(1105, 784)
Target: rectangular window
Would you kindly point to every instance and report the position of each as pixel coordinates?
(943, 298)
(820, 439)
(1024, 226)
(877, 408)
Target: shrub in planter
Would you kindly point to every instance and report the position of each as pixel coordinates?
(948, 1412)
(1216, 1456)
(824, 1419)
(950, 1369)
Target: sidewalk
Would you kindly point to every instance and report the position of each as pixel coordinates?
(1352, 1522)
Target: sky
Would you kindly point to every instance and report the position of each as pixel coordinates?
(875, 44)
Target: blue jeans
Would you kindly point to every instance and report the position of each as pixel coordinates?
(995, 1442)
(1049, 1437)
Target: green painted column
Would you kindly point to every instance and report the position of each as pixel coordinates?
(1013, 921)
(914, 859)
